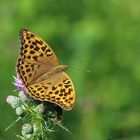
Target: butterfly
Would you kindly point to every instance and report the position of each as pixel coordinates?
(41, 74)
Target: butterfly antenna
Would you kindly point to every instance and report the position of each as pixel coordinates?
(79, 69)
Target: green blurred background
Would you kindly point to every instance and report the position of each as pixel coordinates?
(96, 35)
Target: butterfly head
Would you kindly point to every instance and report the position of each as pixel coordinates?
(64, 67)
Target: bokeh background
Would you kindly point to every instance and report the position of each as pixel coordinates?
(102, 37)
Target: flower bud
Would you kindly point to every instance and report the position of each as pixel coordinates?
(19, 111)
(27, 129)
(13, 101)
(23, 97)
(40, 108)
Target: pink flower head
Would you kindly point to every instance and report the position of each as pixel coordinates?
(18, 83)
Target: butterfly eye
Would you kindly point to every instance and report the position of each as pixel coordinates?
(66, 67)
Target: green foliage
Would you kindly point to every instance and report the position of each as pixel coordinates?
(95, 35)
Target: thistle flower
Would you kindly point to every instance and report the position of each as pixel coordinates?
(39, 117)
(18, 83)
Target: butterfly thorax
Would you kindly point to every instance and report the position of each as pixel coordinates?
(59, 68)
(52, 72)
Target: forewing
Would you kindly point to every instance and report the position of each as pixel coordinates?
(58, 89)
(36, 57)
(33, 48)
